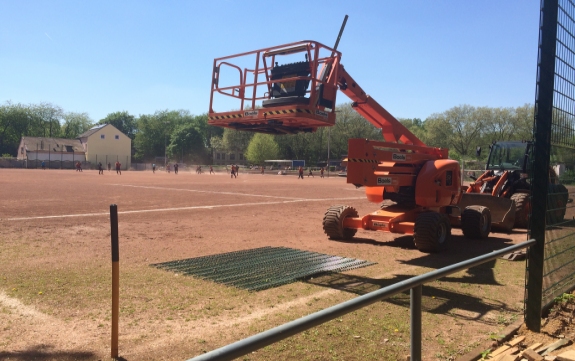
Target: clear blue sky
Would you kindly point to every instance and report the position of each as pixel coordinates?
(415, 58)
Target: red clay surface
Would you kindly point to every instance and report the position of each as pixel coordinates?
(163, 217)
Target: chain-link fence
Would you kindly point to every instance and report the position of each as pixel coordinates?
(47, 164)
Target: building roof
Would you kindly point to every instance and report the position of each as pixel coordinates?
(52, 144)
(92, 130)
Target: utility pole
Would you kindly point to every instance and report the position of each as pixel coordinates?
(328, 138)
(165, 146)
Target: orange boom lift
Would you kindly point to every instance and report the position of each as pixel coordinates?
(299, 95)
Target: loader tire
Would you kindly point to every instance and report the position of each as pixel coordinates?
(522, 209)
(476, 222)
(333, 222)
(432, 232)
(557, 203)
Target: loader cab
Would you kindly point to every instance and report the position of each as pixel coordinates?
(509, 156)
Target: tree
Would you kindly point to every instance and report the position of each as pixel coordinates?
(416, 126)
(217, 143)
(524, 118)
(187, 141)
(125, 123)
(49, 116)
(236, 140)
(458, 128)
(155, 132)
(152, 136)
(75, 124)
(261, 147)
(349, 124)
(14, 123)
(206, 131)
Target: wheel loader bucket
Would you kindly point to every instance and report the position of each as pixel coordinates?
(502, 209)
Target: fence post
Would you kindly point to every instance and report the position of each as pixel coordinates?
(115, 278)
(541, 154)
(415, 310)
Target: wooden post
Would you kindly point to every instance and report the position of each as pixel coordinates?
(115, 278)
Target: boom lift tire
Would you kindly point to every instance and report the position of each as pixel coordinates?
(522, 209)
(432, 232)
(333, 222)
(476, 222)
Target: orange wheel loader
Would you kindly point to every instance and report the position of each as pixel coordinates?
(505, 189)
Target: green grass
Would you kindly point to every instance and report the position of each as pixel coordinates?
(154, 299)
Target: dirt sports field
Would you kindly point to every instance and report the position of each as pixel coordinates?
(55, 270)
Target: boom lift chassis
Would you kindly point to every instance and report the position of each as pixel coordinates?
(299, 96)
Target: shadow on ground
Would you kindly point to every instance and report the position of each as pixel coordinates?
(436, 300)
(46, 353)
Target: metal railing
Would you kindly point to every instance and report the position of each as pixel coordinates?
(415, 284)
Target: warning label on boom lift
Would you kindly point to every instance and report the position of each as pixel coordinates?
(251, 113)
(385, 181)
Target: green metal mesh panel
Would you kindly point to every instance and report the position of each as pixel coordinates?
(261, 268)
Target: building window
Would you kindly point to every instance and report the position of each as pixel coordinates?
(117, 137)
(218, 156)
(102, 136)
(232, 156)
(69, 148)
(241, 156)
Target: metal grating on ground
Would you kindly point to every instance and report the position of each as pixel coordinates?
(262, 268)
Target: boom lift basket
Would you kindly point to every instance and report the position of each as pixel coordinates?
(295, 96)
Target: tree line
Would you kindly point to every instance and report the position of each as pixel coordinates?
(189, 138)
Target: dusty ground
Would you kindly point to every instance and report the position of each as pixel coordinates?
(55, 266)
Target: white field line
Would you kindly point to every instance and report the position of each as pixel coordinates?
(19, 307)
(214, 192)
(180, 208)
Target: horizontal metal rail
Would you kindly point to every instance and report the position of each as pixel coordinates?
(415, 284)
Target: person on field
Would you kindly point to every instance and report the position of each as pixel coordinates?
(118, 168)
(176, 168)
(100, 168)
(153, 167)
(262, 170)
(321, 172)
(300, 173)
(212, 170)
(78, 167)
(233, 174)
(43, 165)
(109, 167)
(310, 173)
(168, 167)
